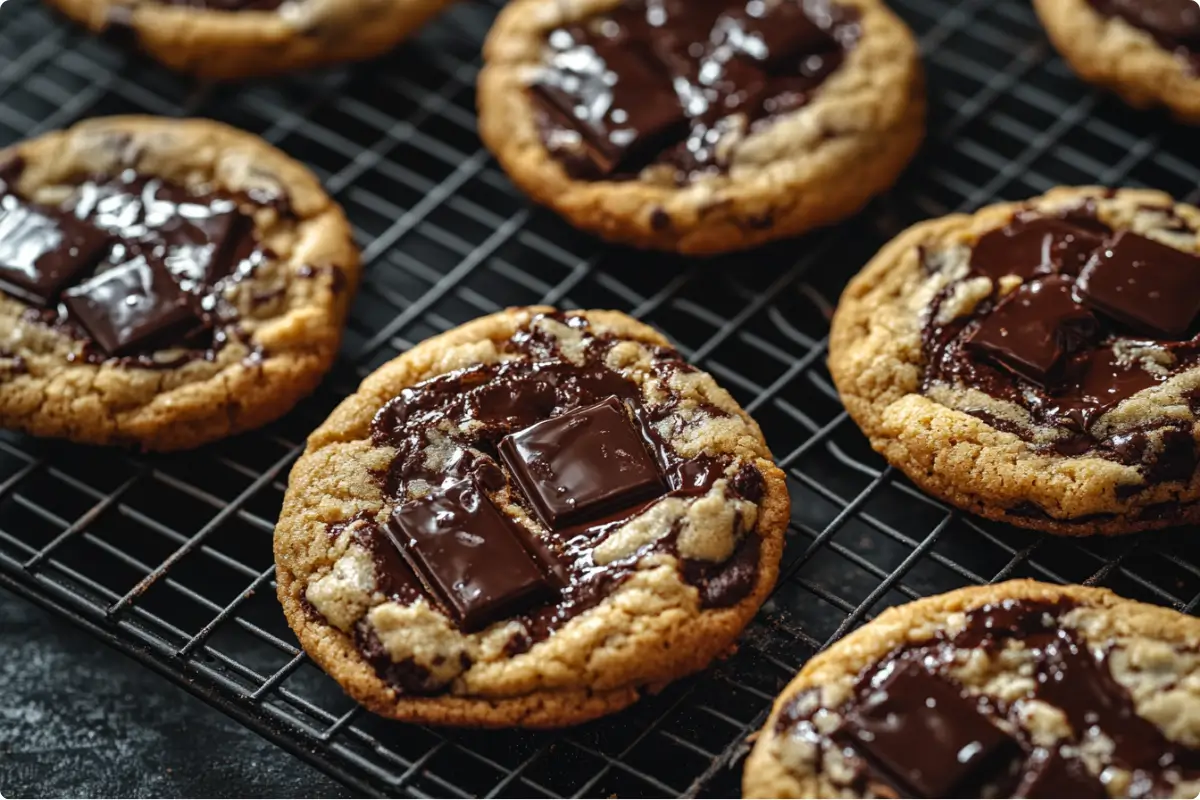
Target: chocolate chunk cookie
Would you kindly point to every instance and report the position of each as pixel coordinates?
(239, 38)
(1021, 689)
(1036, 362)
(705, 126)
(528, 521)
(1147, 51)
(163, 283)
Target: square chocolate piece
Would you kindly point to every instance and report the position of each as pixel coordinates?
(469, 554)
(1031, 245)
(917, 729)
(617, 98)
(42, 251)
(134, 306)
(778, 35)
(1152, 288)
(578, 466)
(205, 246)
(1034, 329)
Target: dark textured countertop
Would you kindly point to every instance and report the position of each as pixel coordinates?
(79, 719)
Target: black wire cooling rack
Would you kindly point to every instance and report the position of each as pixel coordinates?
(169, 558)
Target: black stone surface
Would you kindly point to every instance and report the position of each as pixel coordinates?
(78, 719)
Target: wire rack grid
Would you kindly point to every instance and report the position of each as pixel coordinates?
(169, 558)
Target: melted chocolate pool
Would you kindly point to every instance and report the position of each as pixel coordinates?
(578, 447)
(1065, 345)
(665, 81)
(911, 727)
(131, 264)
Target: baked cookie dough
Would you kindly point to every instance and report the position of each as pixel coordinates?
(163, 283)
(529, 520)
(1021, 689)
(1147, 51)
(1036, 362)
(701, 126)
(225, 39)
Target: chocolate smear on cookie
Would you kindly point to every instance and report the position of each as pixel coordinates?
(1096, 316)
(131, 265)
(911, 728)
(672, 84)
(507, 477)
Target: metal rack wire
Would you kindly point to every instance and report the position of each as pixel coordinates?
(169, 558)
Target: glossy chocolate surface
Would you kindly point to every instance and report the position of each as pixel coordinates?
(1174, 23)
(919, 730)
(581, 464)
(43, 250)
(469, 553)
(910, 726)
(1065, 344)
(582, 453)
(1149, 287)
(1032, 330)
(132, 264)
(664, 81)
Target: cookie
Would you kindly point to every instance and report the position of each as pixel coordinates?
(163, 283)
(1021, 689)
(529, 520)
(1035, 362)
(701, 127)
(225, 39)
(1147, 51)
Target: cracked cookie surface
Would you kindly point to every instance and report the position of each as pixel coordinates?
(1021, 689)
(1148, 52)
(199, 290)
(1085, 425)
(227, 39)
(793, 114)
(614, 518)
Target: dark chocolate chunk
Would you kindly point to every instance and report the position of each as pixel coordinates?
(469, 554)
(1152, 288)
(581, 464)
(658, 81)
(1049, 774)
(909, 726)
(1033, 329)
(135, 305)
(42, 251)
(205, 243)
(918, 729)
(471, 411)
(621, 123)
(1031, 245)
(779, 35)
